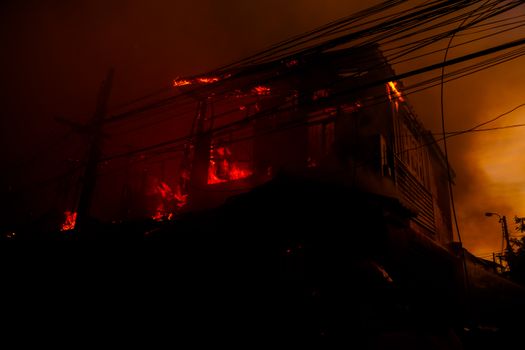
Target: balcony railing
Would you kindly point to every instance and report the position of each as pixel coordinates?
(416, 195)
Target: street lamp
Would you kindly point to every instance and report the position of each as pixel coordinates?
(504, 228)
(491, 214)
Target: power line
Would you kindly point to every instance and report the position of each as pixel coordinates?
(394, 26)
(366, 86)
(472, 129)
(447, 163)
(416, 16)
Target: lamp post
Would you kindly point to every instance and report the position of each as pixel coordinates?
(505, 230)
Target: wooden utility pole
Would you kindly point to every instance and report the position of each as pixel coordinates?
(95, 148)
(510, 252)
(201, 156)
(505, 230)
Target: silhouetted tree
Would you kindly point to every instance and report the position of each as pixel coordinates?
(517, 259)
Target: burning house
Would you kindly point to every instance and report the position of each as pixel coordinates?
(320, 161)
(333, 117)
(316, 170)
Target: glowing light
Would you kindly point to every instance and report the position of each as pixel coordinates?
(159, 214)
(181, 82)
(70, 221)
(169, 201)
(164, 190)
(208, 80)
(237, 173)
(202, 80)
(392, 88)
(180, 198)
(292, 63)
(261, 90)
(212, 174)
(222, 169)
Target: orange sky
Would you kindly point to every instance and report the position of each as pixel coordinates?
(55, 55)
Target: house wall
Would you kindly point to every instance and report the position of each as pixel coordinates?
(317, 119)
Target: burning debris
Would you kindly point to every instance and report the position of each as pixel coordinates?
(181, 82)
(292, 63)
(201, 80)
(223, 169)
(262, 90)
(171, 201)
(70, 221)
(208, 80)
(394, 95)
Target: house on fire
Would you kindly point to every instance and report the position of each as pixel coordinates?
(313, 170)
(316, 168)
(333, 117)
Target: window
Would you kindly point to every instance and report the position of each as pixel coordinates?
(321, 137)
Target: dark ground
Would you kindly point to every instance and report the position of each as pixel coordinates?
(266, 268)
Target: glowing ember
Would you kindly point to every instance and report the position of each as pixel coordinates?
(223, 169)
(392, 89)
(212, 177)
(181, 82)
(181, 199)
(164, 190)
(208, 80)
(202, 80)
(70, 221)
(292, 63)
(159, 214)
(237, 173)
(170, 200)
(261, 90)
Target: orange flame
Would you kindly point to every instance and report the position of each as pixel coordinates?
(208, 80)
(159, 214)
(203, 80)
(170, 199)
(393, 89)
(292, 63)
(237, 173)
(181, 82)
(261, 90)
(212, 174)
(180, 198)
(70, 221)
(222, 169)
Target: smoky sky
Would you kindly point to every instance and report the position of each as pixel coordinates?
(56, 53)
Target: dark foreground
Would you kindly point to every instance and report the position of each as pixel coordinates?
(269, 269)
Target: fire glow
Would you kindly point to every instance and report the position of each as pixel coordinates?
(392, 90)
(208, 80)
(262, 90)
(181, 82)
(202, 80)
(170, 201)
(70, 221)
(222, 169)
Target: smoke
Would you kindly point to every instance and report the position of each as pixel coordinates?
(487, 164)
